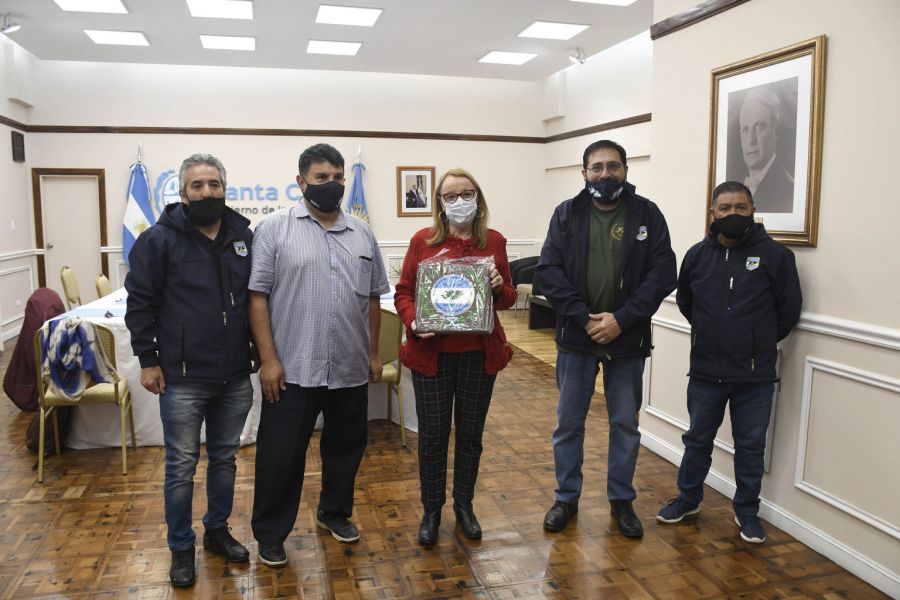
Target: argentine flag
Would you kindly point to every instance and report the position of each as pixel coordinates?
(138, 211)
(356, 204)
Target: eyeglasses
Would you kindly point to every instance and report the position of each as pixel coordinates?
(612, 166)
(467, 195)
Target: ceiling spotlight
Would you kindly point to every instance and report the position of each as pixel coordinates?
(577, 57)
(7, 25)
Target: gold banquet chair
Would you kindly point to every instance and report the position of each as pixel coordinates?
(389, 351)
(102, 285)
(97, 393)
(70, 287)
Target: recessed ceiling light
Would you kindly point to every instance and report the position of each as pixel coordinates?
(341, 48)
(609, 2)
(117, 38)
(507, 58)
(228, 42)
(221, 9)
(98, 6)
(552, 31)
(346, 15)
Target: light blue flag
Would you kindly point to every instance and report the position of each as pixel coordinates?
(356, 204)
(138, 211)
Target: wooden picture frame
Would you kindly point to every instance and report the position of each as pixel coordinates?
(766, 120)
(415, 191)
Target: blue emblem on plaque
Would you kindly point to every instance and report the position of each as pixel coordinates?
(452, 295)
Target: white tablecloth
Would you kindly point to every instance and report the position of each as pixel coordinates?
(98, 426)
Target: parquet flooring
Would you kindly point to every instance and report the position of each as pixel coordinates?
(89, 532)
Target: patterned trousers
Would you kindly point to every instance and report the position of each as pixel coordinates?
(461, 392)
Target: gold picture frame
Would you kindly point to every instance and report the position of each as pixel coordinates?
(766, 120)
(415, 191)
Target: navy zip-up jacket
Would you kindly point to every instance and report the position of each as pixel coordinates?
(187, 299)
(646, 274)
(740, 301)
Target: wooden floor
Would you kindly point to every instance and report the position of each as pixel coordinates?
(89, 532)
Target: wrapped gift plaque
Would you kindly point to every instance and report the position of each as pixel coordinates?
(453, 295)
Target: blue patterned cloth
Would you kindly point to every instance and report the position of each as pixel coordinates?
(72, 357)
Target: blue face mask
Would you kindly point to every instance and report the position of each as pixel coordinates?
(606, 191)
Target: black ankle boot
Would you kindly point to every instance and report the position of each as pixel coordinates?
(428, 529)
(465, 516)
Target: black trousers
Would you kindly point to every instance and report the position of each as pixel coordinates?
(285, 428)
(461, 391)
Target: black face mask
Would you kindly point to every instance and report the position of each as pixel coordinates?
(734, 225)
(605, 191)
(205, 211)
(326, 197)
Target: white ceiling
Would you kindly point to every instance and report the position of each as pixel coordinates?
(437, 37)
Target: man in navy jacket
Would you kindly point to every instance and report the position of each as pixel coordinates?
(187, 314)
(740, 291)
(606, 265)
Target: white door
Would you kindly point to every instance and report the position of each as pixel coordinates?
(71, 215)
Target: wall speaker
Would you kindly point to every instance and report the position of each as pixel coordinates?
(18, 146)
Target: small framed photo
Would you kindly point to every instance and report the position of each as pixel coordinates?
(766, 132)
(415, 191)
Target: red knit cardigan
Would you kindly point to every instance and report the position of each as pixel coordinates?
(422, 354)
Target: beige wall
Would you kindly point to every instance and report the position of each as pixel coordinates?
(832, 481)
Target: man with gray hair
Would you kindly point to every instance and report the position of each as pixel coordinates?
(760, 122)
(187, 314)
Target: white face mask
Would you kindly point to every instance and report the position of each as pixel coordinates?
(461, 212)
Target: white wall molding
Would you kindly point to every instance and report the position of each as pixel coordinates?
(861, 566)
(814, 364)
(120, 278)
(111, 249)
(856, 331)
(7, 335)
(20, 254)
(873, 335)
(662, 415)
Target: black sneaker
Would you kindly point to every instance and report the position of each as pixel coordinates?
(340, 527)
(220, 541)
(182, 573)
(558, 516)
(272, 554)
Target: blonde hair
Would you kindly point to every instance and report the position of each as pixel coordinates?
(440, 230)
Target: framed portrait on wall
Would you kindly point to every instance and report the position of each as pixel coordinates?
(415, 191)
(766, 132)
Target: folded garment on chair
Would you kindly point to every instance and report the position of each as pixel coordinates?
(72, 357)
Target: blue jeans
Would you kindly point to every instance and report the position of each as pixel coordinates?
(183, 408)
(576, 376)
(750, 405)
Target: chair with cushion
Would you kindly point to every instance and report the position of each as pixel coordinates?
(388, 352)
(525, 285)
(96, 393)
(516, 266)
(70, 287)
(102, 285)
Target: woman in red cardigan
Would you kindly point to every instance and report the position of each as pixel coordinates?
(460, 367)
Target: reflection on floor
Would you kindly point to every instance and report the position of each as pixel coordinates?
(89, 532)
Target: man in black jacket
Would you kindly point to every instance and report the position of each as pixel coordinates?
(740, 291)
(187, 314)
(606, 265)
